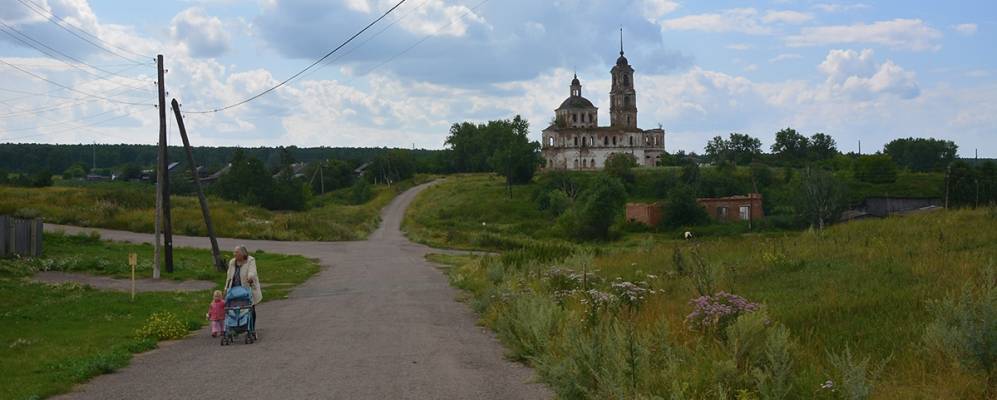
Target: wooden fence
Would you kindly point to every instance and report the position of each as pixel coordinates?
(21, 237)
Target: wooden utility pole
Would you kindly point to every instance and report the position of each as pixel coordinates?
(159, 213)
(164, 163)
(219, 264)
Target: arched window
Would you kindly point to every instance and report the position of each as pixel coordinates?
(631, 141)
(592, 164)
(605, 141)
(584, 163)
(576, 145)
(576, 163)
(574, 117)
(628, 120)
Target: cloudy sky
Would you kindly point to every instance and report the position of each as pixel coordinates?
(76, 71)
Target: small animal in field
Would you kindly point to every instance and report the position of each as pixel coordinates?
(687, 235)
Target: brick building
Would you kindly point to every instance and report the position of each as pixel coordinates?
(644, 213)
(734, 208)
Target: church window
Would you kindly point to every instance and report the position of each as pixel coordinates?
(631, 141)
(628, 120)
(592, 164)
(576, 145)
(614, 140)
(574, 117)
(584, 163)
(576, 163)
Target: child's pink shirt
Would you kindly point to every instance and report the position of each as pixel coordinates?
(217, 310)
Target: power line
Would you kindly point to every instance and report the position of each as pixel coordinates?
(27, 94)
(70, 88)
(67, 56)
(284, 82)
(59, 21)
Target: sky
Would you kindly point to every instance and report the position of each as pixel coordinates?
(82, 71)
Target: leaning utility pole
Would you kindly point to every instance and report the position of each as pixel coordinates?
(219, 264)
(164, 163)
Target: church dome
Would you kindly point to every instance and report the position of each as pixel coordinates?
(576, 102)
(622, 60)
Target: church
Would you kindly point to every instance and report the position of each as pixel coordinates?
(575, 141)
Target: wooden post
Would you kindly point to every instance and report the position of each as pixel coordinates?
(219, 264)
(132, 260)
(164, 163)
(159, 213)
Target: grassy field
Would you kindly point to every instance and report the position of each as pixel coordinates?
(866, 287)
(55, 336)
(131, 207)
(844, 314)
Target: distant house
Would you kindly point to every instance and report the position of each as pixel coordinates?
(297, 170)
(215, 176)
(359, 171)
(97, 178)
(734, 208)
(881, 207)
(727, 209)
(644, 213)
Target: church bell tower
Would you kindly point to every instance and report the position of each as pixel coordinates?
(622, 97)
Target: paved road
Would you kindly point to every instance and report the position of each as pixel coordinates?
(378, 322)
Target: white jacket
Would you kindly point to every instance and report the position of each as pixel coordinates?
(246, 274)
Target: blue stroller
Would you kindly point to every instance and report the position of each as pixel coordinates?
(239, 315)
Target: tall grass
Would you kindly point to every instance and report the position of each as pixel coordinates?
(845, 313)
(132, 208)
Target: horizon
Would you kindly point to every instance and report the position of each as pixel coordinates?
(854, 71)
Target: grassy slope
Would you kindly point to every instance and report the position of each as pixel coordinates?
(865, 285)
(54, 336)
(131, 207)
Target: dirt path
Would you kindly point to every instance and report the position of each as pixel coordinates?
(123, 285)
(378, 322)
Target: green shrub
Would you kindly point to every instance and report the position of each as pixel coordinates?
(878, 168)
(964, 328)
(527, 325)
(853, 378)
(597, 209)
(162, 326)
(681, 209)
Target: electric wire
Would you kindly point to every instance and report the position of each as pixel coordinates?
(50, 93)
(67, 56)
(312, 65)
(59, 21)
(36, 76)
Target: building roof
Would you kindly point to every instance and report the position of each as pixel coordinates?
(576, 102)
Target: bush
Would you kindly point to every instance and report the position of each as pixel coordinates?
(527, 325)
(162, 326)
(361, 192)
(712, 314)
(620, 166)
(852, 377)
(878, 168)
(964, 328)
(597, 209)
(681, 209)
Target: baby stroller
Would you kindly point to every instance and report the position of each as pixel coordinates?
(239, 315)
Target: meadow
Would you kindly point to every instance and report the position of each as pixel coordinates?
(55, 336)
(899, 308)
(131, 207)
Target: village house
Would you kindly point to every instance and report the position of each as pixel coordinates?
(575, 141)
(724, 209)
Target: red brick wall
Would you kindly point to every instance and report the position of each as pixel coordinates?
(714, 207)
(644, 213)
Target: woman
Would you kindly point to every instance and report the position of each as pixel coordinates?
(242, 272)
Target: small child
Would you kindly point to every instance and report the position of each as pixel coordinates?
(216, 314)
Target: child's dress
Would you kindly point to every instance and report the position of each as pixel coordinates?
(216, 314)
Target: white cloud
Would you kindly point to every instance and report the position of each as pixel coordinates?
(653, 10)
(909, 34)
(203, 35)
(741, 20)
(858, 75)
(739, 46)
(358, 5)
(965, 29)
(436, 18)
(837, 7)
(786, 16)
(785, 57)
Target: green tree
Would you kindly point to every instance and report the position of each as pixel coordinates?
(329, 175)
(878, 168)
(738, 149)
(920, 154)
(821, 147)
(76, 171)
(790, 146)
(4, 177)
(129, 171)
(247, 181)
(820, 197)
(621, 165)
(681, 209)
(516, 156)
(962, 181)
(361, 192)
(596, 209)
(988, 182)
(393, 166)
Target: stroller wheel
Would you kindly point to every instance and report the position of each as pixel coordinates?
(249, 338)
